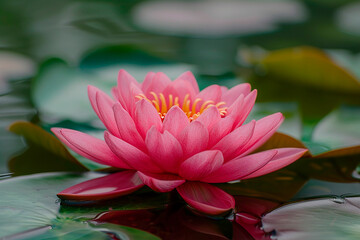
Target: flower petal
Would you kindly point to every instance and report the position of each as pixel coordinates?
(89, 147)
(264, 129)
(128, 88)
(212, 92)
(239, 167)
(194, 138)
(220, 130)
(164, 149)
(234, 142)
(127, 127)
(111, 186)
(102, 105)
(241, 108)
(105, 108)
(284, 157)
(155, 82)
(146, 116)
(175, 121)
(161, 182)
(209, 117)
(189, 77)
(206, 198)
(134, 157)
(201, 165)
(232, 94)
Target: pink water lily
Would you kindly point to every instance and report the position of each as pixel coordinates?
(169, 135)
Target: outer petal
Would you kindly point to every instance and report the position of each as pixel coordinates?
(240, 167)
(127, 127)
(102, 105)
(175, 121)
(206, 198)
(155, 82)
(209, 117)
(131, 155)
(128, 88)
(201, 165)
(194, 138)
(111, 186)
(106, 112)
(212, 92)
(284, 157)
(264, 129)
(161, 182)
(164, 149)
(235, 141)
(232, 94)
(89, 147)
(189, 77)
(241, 108)
(146, 116)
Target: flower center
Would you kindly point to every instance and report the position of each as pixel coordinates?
(191, 109)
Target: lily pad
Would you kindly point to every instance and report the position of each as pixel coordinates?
(45, 153)
(39, 209)
(311, 67)
(330, 218)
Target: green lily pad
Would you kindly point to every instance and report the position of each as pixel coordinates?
(45, 153)
(311, 67)
(30, 204)
(330, 218)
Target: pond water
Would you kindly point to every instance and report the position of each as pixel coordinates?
(302, 56)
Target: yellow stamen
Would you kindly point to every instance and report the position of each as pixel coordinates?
(185, 101)
(170, 101)
(193, 109)
(204, 105)
(156, 104)
(163, 103)
(189, 108)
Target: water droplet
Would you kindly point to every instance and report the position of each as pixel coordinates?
(339, 200)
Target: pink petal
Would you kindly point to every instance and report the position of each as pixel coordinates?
(201, 165)
(206, 198)
(175, 121)
(240, 167)
(127, 127)
(234, 142)
(209, 117)
(115, 93)
(241, 108)
(105, 108)
(146, 116)
(180, 88)
(89, 147)
(102, 105)
(155, 82)
(284, 157)
(164, 149)
(232, 94)
(128, 88)
(212, 92)
(220, 130)
(111, 186)
(161, 182)
(189, 77)
(131, 155)
(194, 138)
(264, 129)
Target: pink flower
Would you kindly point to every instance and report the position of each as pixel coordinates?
(168, 134)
